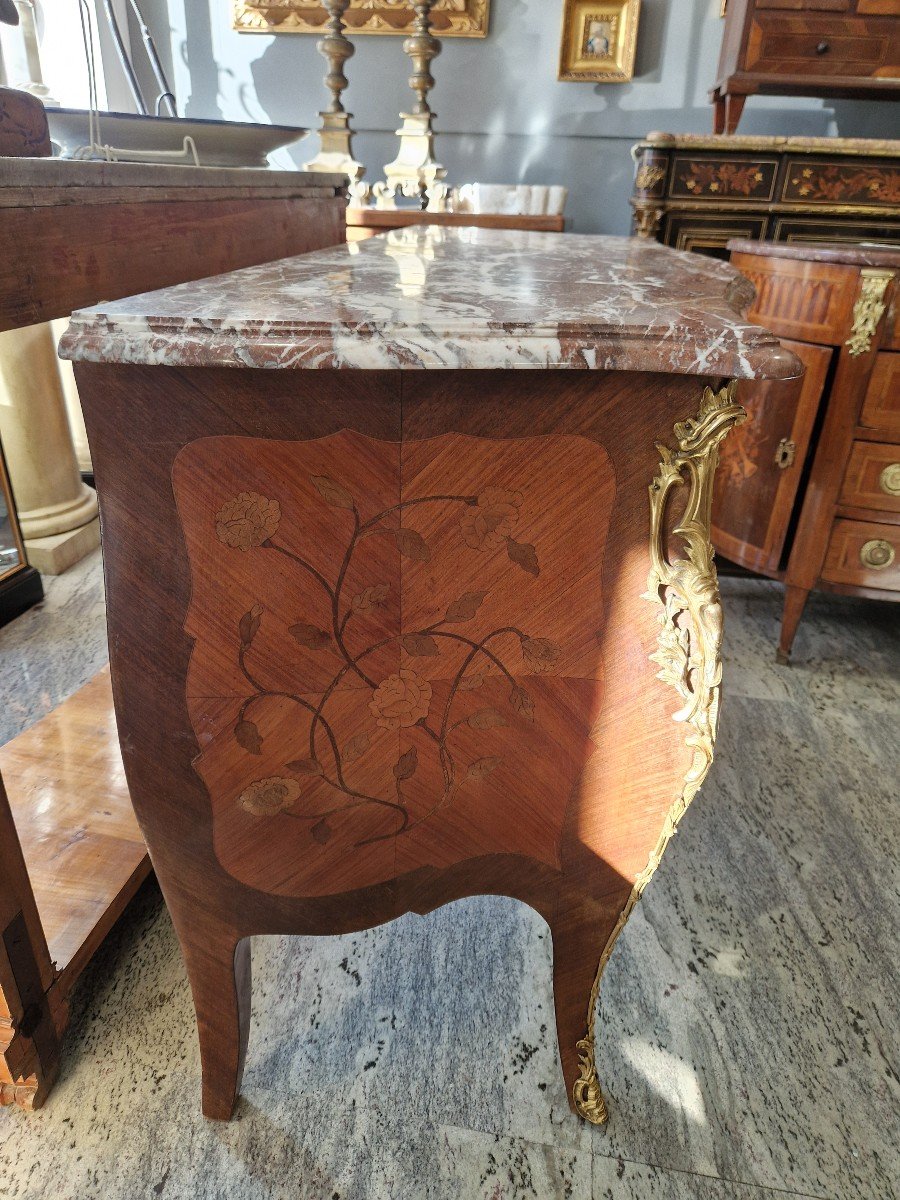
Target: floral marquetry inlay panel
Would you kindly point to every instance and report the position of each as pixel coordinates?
(709, 177)
(390, 645)
(847, 183)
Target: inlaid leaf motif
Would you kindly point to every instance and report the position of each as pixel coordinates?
(419, 645)
(406, 764)
(482, 767)
(321, 831)
(248, 626)
(465, 608)
(522, 702)
(310, 636)
(487, 718)
(488, 522)
(540, 653)
(370, 597)
(305, 766)
(523, 555)
(356, 747)
(332, 492)
(471, 683)
(412, 545)
(248, 737)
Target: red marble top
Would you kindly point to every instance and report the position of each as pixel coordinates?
(427, 297)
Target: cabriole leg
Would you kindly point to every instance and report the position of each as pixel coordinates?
(219, 974)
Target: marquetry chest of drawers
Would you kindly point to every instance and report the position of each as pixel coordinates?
(809, 490)
(845, 48)
(697, 192)
(420, 541)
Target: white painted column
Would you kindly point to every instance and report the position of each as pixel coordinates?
(57, 511)
(73, 402)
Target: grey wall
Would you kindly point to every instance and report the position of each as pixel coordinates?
(503, 117)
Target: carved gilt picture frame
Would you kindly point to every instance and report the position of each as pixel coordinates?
(599, 38)
(449, 18)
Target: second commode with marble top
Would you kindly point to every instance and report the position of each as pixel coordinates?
(809, 488)
(428, 605)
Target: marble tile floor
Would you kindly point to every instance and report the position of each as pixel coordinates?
(749, 1017)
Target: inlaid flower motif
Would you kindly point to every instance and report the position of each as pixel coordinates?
(487, 524)
(540, 653)
(488, 521)
(266, 797)
(401, 700)
(247, 520)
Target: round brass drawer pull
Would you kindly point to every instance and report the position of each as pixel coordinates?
(876, 554)
(889, 479)
(822, 48)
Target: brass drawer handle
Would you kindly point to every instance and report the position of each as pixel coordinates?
(785, 454)
(876, 554)
(889, 479)
(822, 48)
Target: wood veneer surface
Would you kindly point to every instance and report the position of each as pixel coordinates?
(79, 835)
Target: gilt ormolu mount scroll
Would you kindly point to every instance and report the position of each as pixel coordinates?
(688, 654)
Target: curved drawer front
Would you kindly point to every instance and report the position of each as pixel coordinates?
(881, 408)
(864, 554)
(872, 478)
(797, 299)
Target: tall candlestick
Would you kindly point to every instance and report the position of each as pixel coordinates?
(415, 169)
(34, 83)
(335, 136)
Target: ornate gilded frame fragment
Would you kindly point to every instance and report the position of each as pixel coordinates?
(449, 18)
(688, 650)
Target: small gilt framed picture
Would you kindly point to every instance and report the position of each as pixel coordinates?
(598, 40)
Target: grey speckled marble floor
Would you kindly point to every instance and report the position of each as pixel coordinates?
(749, 1018)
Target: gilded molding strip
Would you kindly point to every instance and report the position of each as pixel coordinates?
(688, 652)
(730, 142)
(363, 16)
(868, 309)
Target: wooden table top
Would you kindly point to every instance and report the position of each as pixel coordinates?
(76, 232)
(67, 181)
(79, 835)
(451, 298)
(395, 218)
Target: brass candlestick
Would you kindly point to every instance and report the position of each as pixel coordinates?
(415, 168)
(335, 136)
